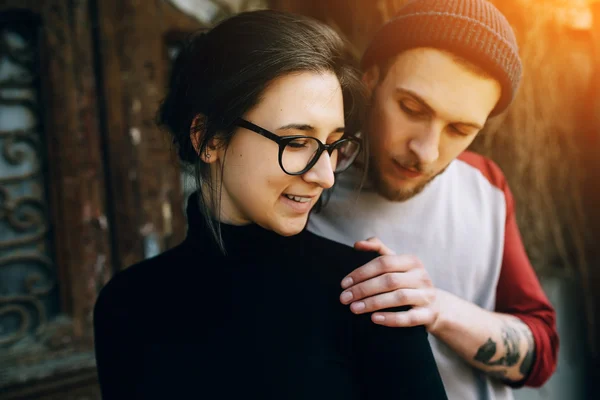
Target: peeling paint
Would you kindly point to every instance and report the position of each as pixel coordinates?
(167, 215)
(207, 11)
(245, 5)
(136, 135)
(203, 10)
(102, 222)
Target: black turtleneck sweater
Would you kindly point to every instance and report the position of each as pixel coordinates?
(263, 322)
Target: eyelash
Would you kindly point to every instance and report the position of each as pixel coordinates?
(408, 110)
(417, 114)
(453, 129)
(457, 131)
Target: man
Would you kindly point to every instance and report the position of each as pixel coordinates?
(435, 73)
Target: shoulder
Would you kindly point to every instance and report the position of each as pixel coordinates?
(135, 286)
(486, 168)
(337, 255)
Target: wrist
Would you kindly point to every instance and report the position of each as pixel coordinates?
(443, 304)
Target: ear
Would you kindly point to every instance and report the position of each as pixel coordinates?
(198, 128)
(370, 78)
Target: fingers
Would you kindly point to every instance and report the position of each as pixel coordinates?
(374, 244)
(403, 319)
(396, 298)
(379, 266)
(414, 279)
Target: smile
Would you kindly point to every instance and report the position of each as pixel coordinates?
(298, 199)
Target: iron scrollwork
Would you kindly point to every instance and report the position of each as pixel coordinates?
(27, 275)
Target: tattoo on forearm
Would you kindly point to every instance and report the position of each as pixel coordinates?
(512, 340)
(527, 363)
(512, 336)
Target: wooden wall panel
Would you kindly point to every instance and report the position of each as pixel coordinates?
(144, 175)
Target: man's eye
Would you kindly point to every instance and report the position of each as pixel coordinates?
(457, 131)
(409, 110)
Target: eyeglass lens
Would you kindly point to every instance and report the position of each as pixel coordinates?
(299, 153)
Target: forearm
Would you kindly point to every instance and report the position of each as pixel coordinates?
(498, 344)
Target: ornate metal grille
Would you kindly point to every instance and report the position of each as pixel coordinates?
(28, 295)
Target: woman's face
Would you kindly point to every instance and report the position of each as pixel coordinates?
(254, 188)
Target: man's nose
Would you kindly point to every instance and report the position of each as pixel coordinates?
(425, 145)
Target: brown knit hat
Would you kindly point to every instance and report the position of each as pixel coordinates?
(472, 29)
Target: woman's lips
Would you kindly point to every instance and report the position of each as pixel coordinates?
(299, 207)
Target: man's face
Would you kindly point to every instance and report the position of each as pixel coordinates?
(425, 111)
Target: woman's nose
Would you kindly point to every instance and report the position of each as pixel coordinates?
(322, 172)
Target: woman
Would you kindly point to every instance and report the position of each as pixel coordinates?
(248, 304)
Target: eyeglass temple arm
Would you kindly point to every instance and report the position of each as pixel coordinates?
(255, 128)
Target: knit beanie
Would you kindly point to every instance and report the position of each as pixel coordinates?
(472, 29)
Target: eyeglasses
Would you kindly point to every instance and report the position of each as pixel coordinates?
(298, 154)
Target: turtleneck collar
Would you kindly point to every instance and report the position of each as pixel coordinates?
(239, 240)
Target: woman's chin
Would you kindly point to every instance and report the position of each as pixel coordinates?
(289, 226)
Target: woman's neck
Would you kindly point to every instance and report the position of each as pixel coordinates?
(245, 241)
(222, 210)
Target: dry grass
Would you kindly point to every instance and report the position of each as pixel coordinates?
(539, 142)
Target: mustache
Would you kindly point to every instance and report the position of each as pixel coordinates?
(413, 165)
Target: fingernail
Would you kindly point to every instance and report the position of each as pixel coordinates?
(378, 318)
(347, 282)
(346, 297)
(358, 306)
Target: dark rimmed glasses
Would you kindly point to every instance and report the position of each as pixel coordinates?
(298, 154)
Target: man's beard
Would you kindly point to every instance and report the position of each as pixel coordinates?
(393, 193)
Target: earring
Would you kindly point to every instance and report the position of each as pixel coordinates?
(208, 156)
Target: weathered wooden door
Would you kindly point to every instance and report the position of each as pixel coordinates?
(87, 183)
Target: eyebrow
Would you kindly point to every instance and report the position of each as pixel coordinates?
(306, 128)
(420, 100)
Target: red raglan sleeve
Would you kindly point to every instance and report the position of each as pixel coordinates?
(519, 292)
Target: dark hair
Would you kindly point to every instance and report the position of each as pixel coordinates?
(221, 74)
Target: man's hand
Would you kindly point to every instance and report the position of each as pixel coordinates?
(391, 281)
(498, 344)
